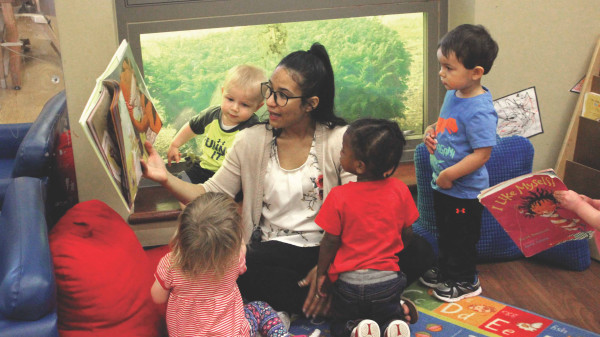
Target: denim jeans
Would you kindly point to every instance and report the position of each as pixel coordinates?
(366, 297)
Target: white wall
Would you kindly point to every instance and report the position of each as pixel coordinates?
(543, 43)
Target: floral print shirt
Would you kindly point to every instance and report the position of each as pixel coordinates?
(291, 200)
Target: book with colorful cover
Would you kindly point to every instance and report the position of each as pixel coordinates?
(527, 210)
(117, 119)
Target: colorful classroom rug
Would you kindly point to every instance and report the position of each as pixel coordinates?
(471, 317)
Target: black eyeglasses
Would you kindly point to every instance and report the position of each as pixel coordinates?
(281, 99)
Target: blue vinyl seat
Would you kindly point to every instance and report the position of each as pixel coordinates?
(27, 284)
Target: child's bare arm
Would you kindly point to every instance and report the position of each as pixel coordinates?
(467, 165)
(159, 294)
(242, 259)
(329, 247)
(407, 235)
(183, 136)
(582, 205)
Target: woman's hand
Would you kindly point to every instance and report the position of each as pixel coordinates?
(315, 304)
(154, 167)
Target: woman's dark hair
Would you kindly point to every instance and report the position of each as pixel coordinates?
(378, 143)
(313, 73)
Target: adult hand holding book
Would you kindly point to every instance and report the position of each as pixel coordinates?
(528, 211)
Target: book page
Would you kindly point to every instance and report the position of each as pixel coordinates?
(117, 119)
(97, 122)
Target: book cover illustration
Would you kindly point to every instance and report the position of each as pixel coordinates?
(527, 210)
(117, 119)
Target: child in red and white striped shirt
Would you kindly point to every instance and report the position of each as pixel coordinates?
(198, 277)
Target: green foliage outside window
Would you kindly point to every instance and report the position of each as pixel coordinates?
(377, 63)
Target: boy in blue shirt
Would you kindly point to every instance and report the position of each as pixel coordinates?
(460, 143)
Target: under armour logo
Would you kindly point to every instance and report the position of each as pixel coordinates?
(458, 211)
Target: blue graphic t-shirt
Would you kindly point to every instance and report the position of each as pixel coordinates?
(464, 124)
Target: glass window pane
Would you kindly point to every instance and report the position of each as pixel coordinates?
(377, 62)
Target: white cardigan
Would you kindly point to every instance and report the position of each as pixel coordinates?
(245, 165)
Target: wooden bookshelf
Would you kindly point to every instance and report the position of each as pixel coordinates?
(568, 147)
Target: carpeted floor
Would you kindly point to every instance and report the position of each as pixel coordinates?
(471, 317)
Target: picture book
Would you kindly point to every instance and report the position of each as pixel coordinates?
(527, 210)
(117, 119)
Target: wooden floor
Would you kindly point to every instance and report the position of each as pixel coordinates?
(567, 296)
(41, 73)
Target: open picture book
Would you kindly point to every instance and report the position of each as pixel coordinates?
(117, 119)
(527, 210)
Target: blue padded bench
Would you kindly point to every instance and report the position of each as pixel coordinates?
(510, 158)
(27, 284)
(26, 150)
(11, 137)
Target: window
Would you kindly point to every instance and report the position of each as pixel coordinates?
(379, 53)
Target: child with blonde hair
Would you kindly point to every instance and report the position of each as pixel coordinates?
(198, 277)
(241, 98)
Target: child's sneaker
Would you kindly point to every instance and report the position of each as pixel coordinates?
(366, 328)
(432, 278)
(397, 328)
(452, 291)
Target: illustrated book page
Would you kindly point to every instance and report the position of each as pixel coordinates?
(117, 119)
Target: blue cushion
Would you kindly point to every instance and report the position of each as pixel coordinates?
(34, 157)
(27, 284)
(511, 157)
(11, 136)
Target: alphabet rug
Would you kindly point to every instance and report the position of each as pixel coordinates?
(471, 317)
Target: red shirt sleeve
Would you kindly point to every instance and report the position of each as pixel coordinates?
(329, 217)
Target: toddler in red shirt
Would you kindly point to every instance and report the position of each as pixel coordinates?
(366, 223)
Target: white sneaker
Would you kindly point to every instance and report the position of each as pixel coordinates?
(315, 333)
(285, 319)
(366, 328)
(397, 328)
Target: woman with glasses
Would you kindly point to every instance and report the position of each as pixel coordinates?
(285, 169)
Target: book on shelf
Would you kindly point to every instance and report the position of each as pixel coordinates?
(591, 106)
(527, 210)
(117, 119)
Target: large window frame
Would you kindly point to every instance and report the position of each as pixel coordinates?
(137, 17)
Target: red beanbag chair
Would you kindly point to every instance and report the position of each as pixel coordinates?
(103, 276)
